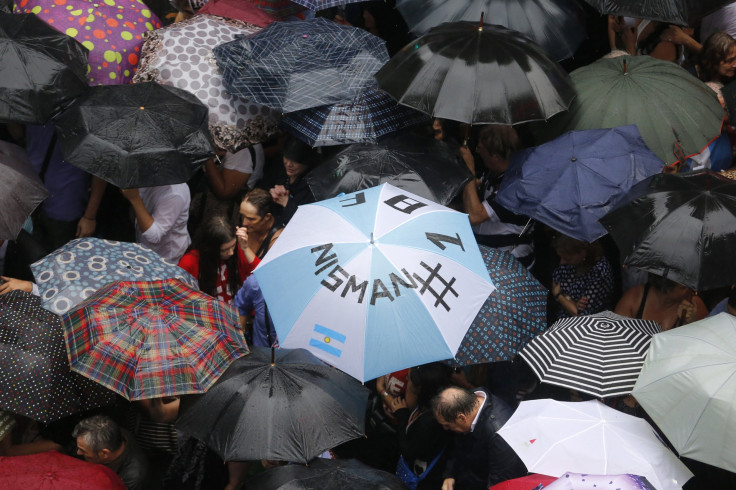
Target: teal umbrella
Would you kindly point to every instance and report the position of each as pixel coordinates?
(677, 114)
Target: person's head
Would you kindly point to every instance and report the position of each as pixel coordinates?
(98, 439)
(428, 380)
(718, 57)
(455, 408)
(576, 252)
(674, 290)
(216, 238)
(257, 211)
(299, 158)
(496, 143)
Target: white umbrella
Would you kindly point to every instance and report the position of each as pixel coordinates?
(554, 437)
(688, 386)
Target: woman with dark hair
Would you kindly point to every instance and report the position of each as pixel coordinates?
(259, 228)
(717, 61)
(299, 159)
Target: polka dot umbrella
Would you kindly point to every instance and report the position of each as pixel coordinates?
(112, 30)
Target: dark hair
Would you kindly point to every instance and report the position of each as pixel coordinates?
(451, 402)
(715, 50)
(297, 150)
(210, 237)
(566, 244)
(732, 298)
(649, 43)
(99, 432)
(261, 200)
(499, 139)
(661, 284)
(429, 379)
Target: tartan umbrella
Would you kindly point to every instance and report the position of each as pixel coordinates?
(152, 339)
(35, 380)
(21, 191)
(70, 274)
(599, 354)
(290, 66)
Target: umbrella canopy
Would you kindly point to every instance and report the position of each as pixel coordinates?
(41, 70)
(574, 180)
(152, 339)
(528, 482)
(515, 312)
(675, 123)
(327, 474)
(580, 481)
(278, 8)
(21, 191)
(430, 169)
(558, 26)
(35, 380)
(445, 73)
(680, 12)
(284, 404)
(53, 470)
(244, 11)
(599, 354)
(70, 274)
(687, 387)
(370, 116)
(290, 66)
(375, 281)
(680, 226)
(181, 56)
(137, 135)
(554, 437)
(112, 31)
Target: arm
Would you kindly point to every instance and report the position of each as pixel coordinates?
(473, 206)
(167, 210)
(88, 222)
(629, 302)
(247, 260)
(10, 284)
(237, 471)
(143, 218)
(224, 182)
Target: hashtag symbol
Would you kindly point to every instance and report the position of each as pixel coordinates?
(427, 285)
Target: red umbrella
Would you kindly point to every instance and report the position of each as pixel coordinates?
(55, 471)
(238, 10)
(529, 482)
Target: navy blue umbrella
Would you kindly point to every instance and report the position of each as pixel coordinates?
(575, 179)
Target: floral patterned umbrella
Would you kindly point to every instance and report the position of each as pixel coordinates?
(181, 55)
(112, 30)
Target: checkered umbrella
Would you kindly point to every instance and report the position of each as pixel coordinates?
(290, 66)
(371, 115)
(599, 354)
(35, 380)
(152, 339)
(322, 4)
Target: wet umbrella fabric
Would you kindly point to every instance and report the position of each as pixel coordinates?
(53, 470)
(278, 8)
(289, 407)
(679, 226)
(558, 26)
(529, 482)
(41, 69)
(574, 180)
(152, 339)
(21, 191)
(585, 481)
(137, 135)
(679, 12)
(430, 169)
(244, 11)
(73, 272)
(35, 380)
(290, 66)
(443, 73)
(327, 474)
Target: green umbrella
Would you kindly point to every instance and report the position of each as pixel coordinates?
(677, 114)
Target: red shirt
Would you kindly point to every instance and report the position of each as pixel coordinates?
(190, 263)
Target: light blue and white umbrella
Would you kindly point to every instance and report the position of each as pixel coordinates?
(375, 281)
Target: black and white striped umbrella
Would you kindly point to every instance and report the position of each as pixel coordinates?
(599, 354)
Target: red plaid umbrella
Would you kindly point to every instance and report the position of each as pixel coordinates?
(152, 339)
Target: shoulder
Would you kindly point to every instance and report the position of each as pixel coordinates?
(190, 261)
(629, 302)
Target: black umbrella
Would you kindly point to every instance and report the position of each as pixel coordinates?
(20, 190)
(137, 135)
(680, 12)
(41, 69)
(477, 74)
(286, 405)
(35, 380)
(428, 168)
(326, 474)
(680, 226)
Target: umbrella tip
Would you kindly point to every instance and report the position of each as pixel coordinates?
(141, 108)
(480, 26)
(625, 72)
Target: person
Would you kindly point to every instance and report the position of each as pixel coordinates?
(717, 62)
(299, 158)
(101, 441)
(259, 226)
(481, 457)
(239, 170)
(726, 305)
(9, 448)
(663, 301)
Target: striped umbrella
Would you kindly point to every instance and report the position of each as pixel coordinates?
(599, 354)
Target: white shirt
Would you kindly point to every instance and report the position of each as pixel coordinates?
(169, 206)
(477, 415)
(242, 162)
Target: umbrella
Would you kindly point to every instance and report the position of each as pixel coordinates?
(687, 387)
(112, 31)
(675, 123)
(35, 380)
(374, 281)
(284, 404)
(680, 226)
(574, 180)
(558, 26)
(152, 339)
(317, 5)
(680, 12)
(21, 191)
(181, 56)
(514, 313)
(70, 274)
(290, 66)
(239, 10)
(278, 8)
(529, 482)
(427, 168)
(53, 470)
(446, 73)
(554, 437)
(579, 481)
(41, 70)
(370, 116)
(599, 354)
(137, 135)
(327, 474)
